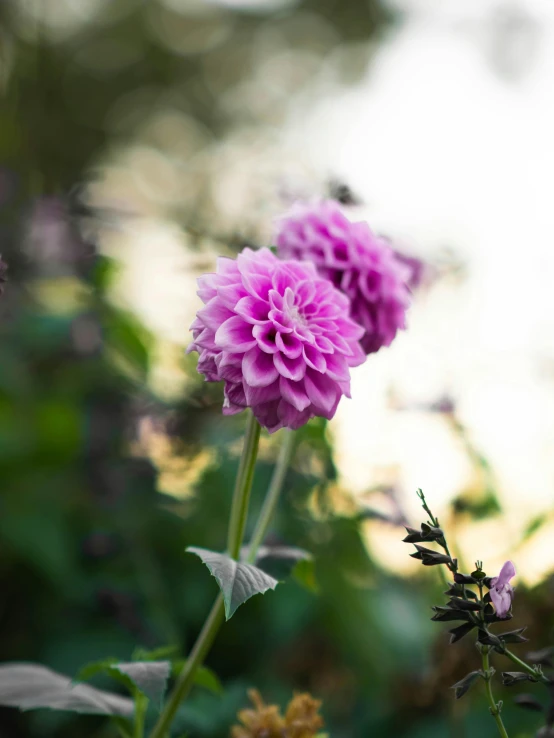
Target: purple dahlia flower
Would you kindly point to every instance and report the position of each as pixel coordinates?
(279, 337)
(371, 274)
(502, 591)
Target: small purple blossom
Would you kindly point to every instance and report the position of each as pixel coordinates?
(279, 336)
(364, 266)
(502, 591)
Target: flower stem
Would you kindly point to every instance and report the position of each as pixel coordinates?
(526, 667)
(237, 524)
(141, 705)
(236, 533)
(272, 497)
(494, 709)
(243, 485)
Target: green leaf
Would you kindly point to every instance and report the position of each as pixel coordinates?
(203, 677)
(237, 581)
(108, 667)
(149, 677)
(33, 686)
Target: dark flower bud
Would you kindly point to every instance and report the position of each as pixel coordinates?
(528, 702)
(445, 614)
(461, 687)
(435, 559)
(489, 639)
(421, 551)
(514, 636)
(487, 581)
(464, 578)
(431, 533)
(460, 604)
(491, 617)
(460, 631)
(479, 575)
(510, 678)
(427, 533)
(455, 590)
(414, 536)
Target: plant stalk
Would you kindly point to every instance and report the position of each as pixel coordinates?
(273, 493)
(141, 705)
(526, 667)
(237, 526)
(494, 709)
(243, 485)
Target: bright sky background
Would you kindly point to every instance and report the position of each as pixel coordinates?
(449, 142)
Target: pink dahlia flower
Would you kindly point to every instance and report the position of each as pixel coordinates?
(502, 591)
(371, 274)
(279, 337)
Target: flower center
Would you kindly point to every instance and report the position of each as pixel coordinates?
(295, 315)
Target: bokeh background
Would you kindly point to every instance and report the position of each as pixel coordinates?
(139, 140)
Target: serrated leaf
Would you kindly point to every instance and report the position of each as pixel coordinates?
(203, 677)
(149, 677)
(238, 581)
(33, 686)
(461, 687)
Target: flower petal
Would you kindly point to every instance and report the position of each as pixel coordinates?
(507, 572)
(258, 368)
(252, 310)
(314, 358)
(290, 368)
(321, 389)
(235, 335)
(214, 313)
(294, 393)
(258, 395)
(265, 335)
(289, 344)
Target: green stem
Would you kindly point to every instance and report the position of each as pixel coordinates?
(272, 497)
(141, 705)
(237, 524)
(243, 485)
(526, 667)
(495, 712)
(194, 661)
